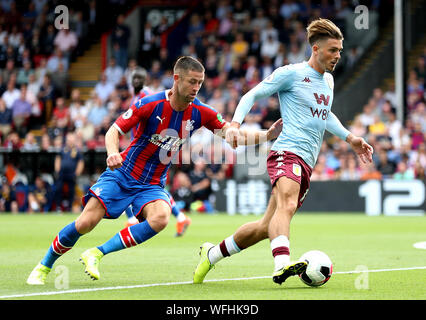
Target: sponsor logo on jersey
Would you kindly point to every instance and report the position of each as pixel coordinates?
(166, 142)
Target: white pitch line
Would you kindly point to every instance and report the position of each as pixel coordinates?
(51, 293)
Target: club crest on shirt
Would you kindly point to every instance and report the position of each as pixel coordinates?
(297, 170)
(189, 125)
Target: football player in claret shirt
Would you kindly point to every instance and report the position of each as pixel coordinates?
(305, 92)
(136, 176)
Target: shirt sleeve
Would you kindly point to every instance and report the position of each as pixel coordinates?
(135, 114)
(334, 126)
(211, 119)
(280, 80)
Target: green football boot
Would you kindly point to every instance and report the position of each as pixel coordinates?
(294, 268)
(38, 275)
(204, 266)
(90, 259)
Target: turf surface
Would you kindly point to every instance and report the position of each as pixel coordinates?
(162, 267)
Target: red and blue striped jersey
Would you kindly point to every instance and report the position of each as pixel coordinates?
(160, 135)
(143, 93)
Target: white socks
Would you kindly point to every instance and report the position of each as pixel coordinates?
(226, 248)
(280, 247)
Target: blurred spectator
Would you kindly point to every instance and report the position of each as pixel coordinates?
(104, 88)
(259, 21)
(61, 114)
(30, 143)
(272, 113)
(270, 47)
(369, 172)
(66, 41)
(113, 72)
(296, 54)
(420, 69)
(69, 164)
(349, 168)
(60, 80)
(21, 112)
(120, 36)
(155, 85)
(24, 73)
(6, 119)
(46, 95)
(41, 71)
(8, 199)
(200, 182)
(12, 141)
(55, 60)
(40, 196)
(78, 111)
(288, 9)
(403, 172)
(49, 40)
(181, 190)
(239, 47)
(97, 113)
(9, 70)
(384, 166)
(11, 94)
(352, 57)
(417, 136)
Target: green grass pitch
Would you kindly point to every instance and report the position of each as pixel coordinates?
(162, 267)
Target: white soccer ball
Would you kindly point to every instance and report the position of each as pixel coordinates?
(319, 268)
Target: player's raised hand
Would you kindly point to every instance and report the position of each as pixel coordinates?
(362, 148)
(232, 134)
(114, 161)
(275, 130)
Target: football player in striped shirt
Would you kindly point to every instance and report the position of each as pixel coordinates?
(137, 176)
(139, 92)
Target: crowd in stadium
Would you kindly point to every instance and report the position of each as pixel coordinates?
(239, 47)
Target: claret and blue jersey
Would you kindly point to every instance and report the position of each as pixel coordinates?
(160, 134)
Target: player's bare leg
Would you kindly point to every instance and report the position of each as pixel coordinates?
(93, 212)
(287, 194)
(253, 232)
(247, 235)
(157, 213)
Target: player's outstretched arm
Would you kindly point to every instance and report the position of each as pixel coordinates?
(114, 159)
(358, 144)
(234, 136)
(361, 147)
(256, 137)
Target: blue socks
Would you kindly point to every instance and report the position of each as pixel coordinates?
(175, 211)
(128, 237)
(64, 241)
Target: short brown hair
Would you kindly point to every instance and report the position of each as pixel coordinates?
(323, 29)
(188, 63)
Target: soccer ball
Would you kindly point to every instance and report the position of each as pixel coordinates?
(319, 268)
